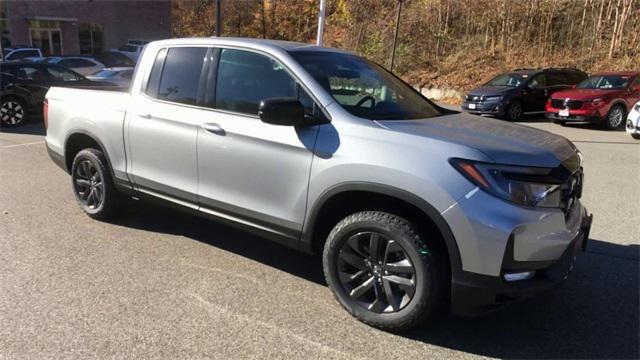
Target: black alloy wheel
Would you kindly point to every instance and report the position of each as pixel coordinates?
(376, 272)
(89, 185)
(12, 112)
(93, 185)
(384, 272)
(514, 111)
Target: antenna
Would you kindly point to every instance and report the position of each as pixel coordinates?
(323, 5)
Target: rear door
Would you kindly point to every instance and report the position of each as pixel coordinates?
(536, 94)
(163, 126)
(254, 172)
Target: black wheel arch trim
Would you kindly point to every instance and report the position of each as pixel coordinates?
(72, 132)
(403, 195)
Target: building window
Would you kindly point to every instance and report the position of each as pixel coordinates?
(46, 36)
(91, 36)
(5, 36)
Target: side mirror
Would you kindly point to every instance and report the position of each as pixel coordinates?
(282, 111)
(287, 112)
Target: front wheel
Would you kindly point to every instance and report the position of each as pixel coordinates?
(93, 185)
(636, 136)
(514, 111)
(615, 117)
(383, 272)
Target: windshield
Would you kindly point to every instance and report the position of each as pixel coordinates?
(364, 88)
(512, 80)
(104, 73)
(605, 82)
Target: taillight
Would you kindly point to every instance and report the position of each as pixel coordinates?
(45, 113)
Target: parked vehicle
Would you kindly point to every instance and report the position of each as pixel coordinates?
(120, 76)
(410, 204)
(132, 49)
(633, 122)
(83, 65)
(114, 59)
(20, 52)
(24, 85)
(604, 99)
(523, 91)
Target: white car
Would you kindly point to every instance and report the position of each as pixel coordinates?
(633, 121)
(132, 51)
(120, 76)
(84, 65)
(19, 53)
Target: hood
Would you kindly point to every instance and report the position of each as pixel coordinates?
(503, 142)
(585, 94)
(491, 90)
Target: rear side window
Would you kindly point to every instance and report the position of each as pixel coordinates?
(246, 78)
(556, 78)
(181, 75)
(156, 71)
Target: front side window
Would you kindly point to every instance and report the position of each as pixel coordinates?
(180, 77)
(245, 78)
(364, 88)
(511, 80)
(617, 82)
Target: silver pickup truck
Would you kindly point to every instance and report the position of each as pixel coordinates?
(414, 208)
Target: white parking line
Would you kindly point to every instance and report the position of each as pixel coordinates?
(25, 144)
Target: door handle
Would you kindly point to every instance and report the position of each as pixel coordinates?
(145, 116)
(214, 128)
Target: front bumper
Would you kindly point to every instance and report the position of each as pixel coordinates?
(484, 108)
(475, 294)
(553, 116)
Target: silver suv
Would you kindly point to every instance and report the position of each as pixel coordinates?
(413, 207)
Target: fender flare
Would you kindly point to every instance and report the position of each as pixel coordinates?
(427, 209)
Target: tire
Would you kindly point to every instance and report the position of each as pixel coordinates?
(636, 136)
(414, 271)
(13, 112)
(513, 111)
(615, 118)
(93, 185)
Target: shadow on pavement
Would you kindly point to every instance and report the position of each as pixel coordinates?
(31, 127)
(595, 314)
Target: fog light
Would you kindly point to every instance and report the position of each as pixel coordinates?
(511, 277)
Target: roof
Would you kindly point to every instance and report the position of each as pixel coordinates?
(288, 46)
(621, 73)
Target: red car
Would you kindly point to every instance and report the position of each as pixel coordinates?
(603, 99)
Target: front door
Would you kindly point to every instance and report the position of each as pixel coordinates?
(252, 171)
(163, 127)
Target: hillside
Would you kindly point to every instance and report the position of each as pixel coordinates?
(444, 43)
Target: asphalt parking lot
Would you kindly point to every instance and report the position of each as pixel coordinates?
(160, 284)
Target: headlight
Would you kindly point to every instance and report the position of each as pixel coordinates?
(637, 107)
(492, 98)
(529, 186)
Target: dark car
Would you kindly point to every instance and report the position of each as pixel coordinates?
(522, 91)
(23, 86)
(604, 99)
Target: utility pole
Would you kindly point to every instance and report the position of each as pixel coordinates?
(395, 36)
(218, 25)
(323, 5)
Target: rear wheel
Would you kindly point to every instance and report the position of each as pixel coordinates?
(12, 111)
(615, 117)
(383, 272)
(93, 185)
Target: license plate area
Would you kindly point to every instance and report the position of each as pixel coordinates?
(564, 112)
(472, 106)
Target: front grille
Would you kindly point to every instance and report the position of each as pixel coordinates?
(571, 191)
(566, 104)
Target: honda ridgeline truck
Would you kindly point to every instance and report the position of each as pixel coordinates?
(413, 207)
